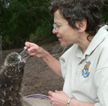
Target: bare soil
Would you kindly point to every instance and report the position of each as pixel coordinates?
(38, 77)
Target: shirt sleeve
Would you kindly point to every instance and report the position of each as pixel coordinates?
(64, 60)
(63, 70)
(97, 104)
(101, 79)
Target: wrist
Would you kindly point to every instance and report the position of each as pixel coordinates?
(45, 55)
(69, 101)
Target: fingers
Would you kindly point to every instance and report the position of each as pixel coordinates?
(50, 93)
(51, 96)
(58, 98)
(29, 44)
(32, 48)
(55, 104)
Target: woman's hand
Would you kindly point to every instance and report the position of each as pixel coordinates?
(53, 63)
(58, 98)
(35, 50)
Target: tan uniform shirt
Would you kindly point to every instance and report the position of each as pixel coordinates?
(86, 75)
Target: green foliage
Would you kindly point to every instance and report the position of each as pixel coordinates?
(21, 19)
(43, 31)
(104, 11)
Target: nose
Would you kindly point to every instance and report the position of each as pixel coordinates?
(54, 31)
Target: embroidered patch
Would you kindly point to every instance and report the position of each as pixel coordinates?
(85, 71)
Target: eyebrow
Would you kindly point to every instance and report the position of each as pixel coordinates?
(57, 23)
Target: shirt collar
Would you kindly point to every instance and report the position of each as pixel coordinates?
(98, 38)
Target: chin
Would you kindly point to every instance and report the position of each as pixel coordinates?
(63, 44)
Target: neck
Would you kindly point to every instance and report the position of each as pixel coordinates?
(84, 42)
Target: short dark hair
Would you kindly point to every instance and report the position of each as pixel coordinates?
(77, 10)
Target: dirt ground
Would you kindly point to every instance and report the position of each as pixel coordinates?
(38, 77)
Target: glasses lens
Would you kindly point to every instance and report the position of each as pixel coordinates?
(54, 26)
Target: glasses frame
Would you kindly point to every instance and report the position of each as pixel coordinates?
(55, 27)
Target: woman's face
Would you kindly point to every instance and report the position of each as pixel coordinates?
(66, 34)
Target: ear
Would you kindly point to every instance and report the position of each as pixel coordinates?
(81, 25)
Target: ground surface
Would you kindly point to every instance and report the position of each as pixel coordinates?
(38, 77)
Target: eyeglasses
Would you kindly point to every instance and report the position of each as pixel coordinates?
(56, 27)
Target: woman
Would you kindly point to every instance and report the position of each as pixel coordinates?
(84, 66)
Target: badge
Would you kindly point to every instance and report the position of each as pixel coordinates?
(85, 71)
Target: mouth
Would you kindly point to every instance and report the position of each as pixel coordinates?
(59, 38)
